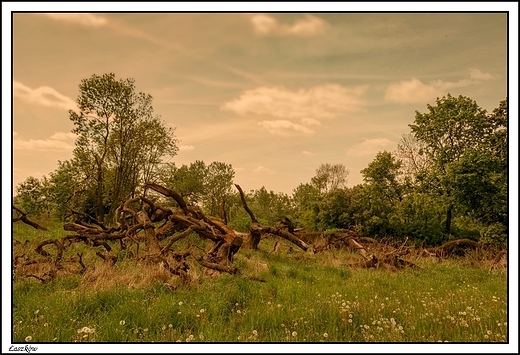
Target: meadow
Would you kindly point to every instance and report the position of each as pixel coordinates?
(281, 295)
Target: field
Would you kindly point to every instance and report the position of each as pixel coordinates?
(281, 295)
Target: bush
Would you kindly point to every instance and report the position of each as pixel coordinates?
(494, 235)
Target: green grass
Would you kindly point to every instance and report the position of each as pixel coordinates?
(306, 298)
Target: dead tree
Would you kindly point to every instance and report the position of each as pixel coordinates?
(256, 230)
(19, 215)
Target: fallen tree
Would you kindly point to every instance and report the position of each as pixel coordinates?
(19, 215)
(140, 221)
(257, 231)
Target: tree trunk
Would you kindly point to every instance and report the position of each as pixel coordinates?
(447, 228)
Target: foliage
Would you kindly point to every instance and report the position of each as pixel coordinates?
(119, 136)
(32, 196)
(307, 298)
(200, 184)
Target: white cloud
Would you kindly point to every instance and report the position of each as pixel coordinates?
(264, 25)
(371, 147)
(44, 95)
(62, 136)
(264, 170)
(89, 20)
(56, 142)
(183, 148)
(478, 75)
(414, 90)
(310, 122)
(319, 102)
(284, 127)
(306, 152)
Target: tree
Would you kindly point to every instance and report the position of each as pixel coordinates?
(413, 161)
(218, 186)
(198, 183)
(118, 136)
(448, 130)
(32, 195)
(330, 177)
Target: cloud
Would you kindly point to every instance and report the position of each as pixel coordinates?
(62, 136)
(370, 147)
(414, 90)
(56, 142)
(264, 25)
(319, 102)
(264, 170)
(478, 75)
(44, 95)
(184, 148)
(284, 127)
(306, 152)
(88, 20)
(310, 122)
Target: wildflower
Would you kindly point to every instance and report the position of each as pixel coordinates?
(38, 311)
(279, 305)
(190, 338)
(145, 330)
(28, 338)
(122, 322)
(170, 326)
(47, 324)
(180, 303)
(294, 334)
(325, 335)
(163, 327)
(86, 330)
(201, 336)
(238, 311)
(202, 310)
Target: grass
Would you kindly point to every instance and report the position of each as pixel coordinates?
(306, 297)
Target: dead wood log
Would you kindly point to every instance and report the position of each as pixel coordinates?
(88, 218)
(110, 259)
(170, 193)
(286, 235)
(22, 216)
(454, 247)
(59, 249)
(244, 204)
(256, 230)
(218, 267)
(174, 238)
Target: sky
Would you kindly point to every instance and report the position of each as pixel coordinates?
(274, 90)
(273, 94)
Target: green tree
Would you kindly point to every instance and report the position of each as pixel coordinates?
(448, 130)
(32, 195)
(201, 184)
(330, 177)
(119, 136)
